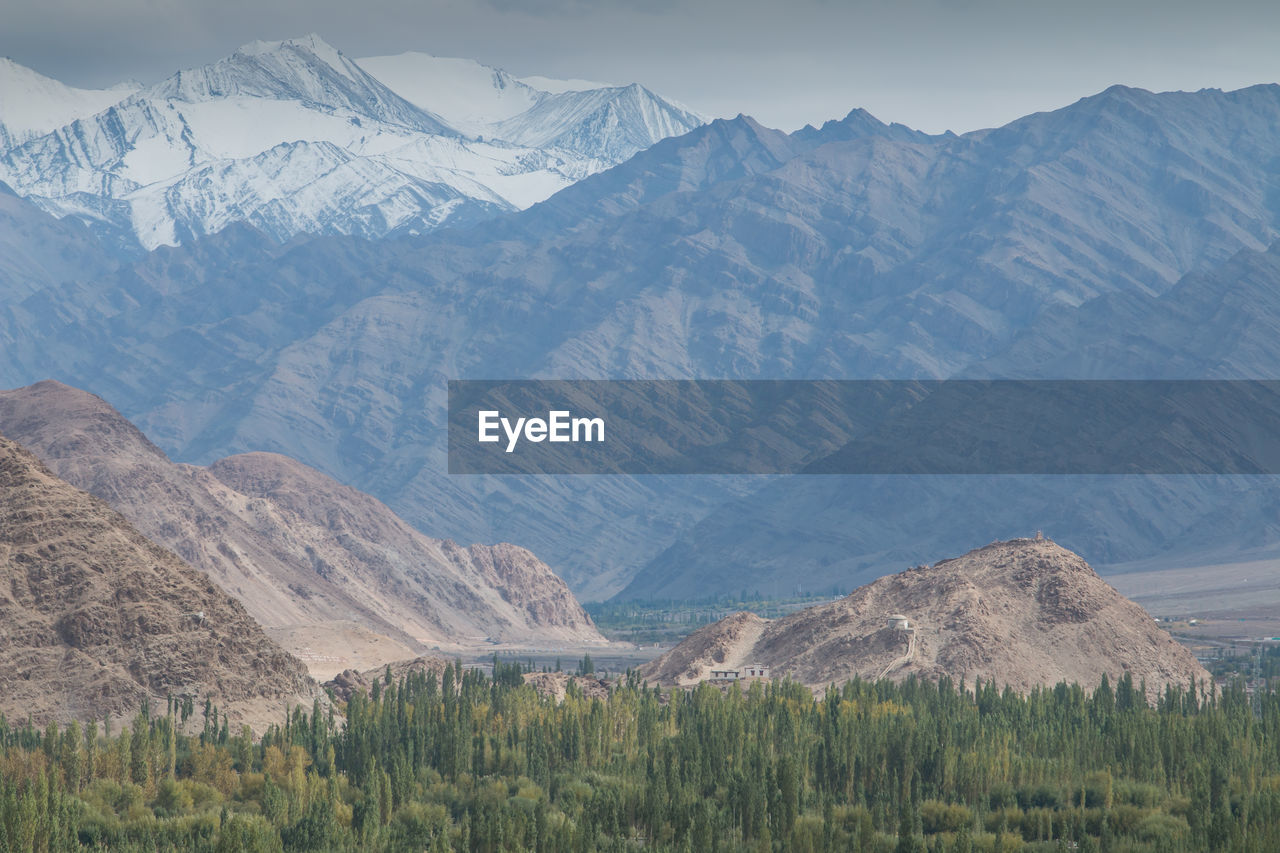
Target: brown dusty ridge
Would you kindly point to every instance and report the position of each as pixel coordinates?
(1025, 612)
(333, 574)
(95, 618)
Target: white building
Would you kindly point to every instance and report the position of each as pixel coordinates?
(753, 670)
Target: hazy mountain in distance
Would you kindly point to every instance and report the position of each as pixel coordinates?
(814, 535)
(470, 96)
(293, 138)
(36, 250)
(594, 120)
(1220, 323)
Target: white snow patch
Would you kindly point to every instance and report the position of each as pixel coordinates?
(556, 87)
(236, 127)
(466, 94)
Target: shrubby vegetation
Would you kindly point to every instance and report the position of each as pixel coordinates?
(472, 763)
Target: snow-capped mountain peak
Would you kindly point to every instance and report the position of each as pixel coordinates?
(612, 123)
(306, 70)
(311, 42)
(294, 137)
(609, 123)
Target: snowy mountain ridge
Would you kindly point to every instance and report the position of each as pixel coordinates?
(295, 138)
(592, 119)
(32, 104)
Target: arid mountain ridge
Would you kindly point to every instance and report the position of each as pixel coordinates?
(1022, 613)
(98, 619)
(313, 561)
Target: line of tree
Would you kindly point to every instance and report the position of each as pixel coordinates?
(486, 764)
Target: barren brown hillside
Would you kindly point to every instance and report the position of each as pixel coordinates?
(94, 617)
(332, 573)
(1025, 612)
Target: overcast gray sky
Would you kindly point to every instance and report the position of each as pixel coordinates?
(930, 64)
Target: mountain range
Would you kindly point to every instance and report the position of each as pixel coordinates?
(1126, 235)
(295, 138)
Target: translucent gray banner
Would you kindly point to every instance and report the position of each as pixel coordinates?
(864, 427)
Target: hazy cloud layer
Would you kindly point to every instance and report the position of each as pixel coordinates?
(932, 64)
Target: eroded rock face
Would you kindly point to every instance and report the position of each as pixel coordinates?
(1025, 612)
(95, 618)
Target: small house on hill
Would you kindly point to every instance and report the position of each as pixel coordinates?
(754, 670)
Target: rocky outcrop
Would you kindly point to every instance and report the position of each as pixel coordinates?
(95, 618)
(556, 685)
(1023, 613)
(348, 682)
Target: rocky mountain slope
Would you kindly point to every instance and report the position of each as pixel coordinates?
(308, 557)
(1025, 612)
(296, 138)
(95, 618)
(857, 249)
